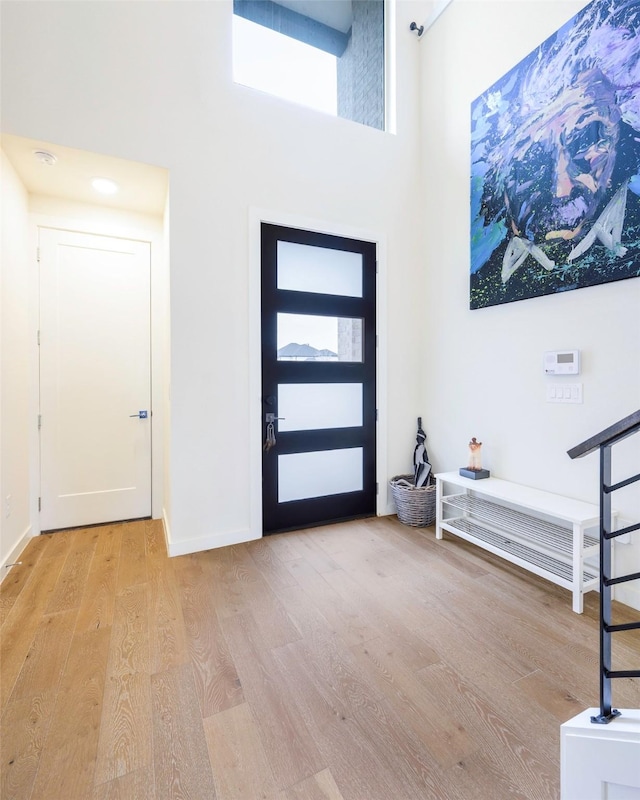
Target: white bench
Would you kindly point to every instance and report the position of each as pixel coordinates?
(542, 532)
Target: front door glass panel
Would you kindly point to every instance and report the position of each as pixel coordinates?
(316, 406)
(306, 475)
(311, 338)
(320, 270)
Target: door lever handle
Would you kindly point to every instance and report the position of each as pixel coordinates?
(272, 417)
(140, 415)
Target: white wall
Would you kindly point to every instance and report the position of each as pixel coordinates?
(152, 82)
(14, 410)
(483, 372)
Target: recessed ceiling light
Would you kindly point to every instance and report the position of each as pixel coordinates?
(104, 185)
(45, 157)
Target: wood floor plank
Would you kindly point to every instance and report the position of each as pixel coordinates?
(450, 561)
(69, 754)
(356, 537)
(21, 624)
(136, 785)
(251, 593)
(24, 728)
(216, 678)
(343, 617)
(410, 647)
(319, 787)
(323, 646)
(98, 600)
(310, 550)
(285, 737)
(445, 622)
(133, 558)
(485, 718)
(318, 701)
(181, 759)
(444, 736)
(283, 547)
(167, 635)
(477, 777)
(240, 766)
(272, 568)
(46, 659)
(553, 695)
(416, 771)
(125, 733)
(71, 584)
(344, 739)
(371, 717)
(358, 768)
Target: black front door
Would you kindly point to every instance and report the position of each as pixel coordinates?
(318, 378)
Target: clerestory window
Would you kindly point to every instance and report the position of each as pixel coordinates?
(327, 55)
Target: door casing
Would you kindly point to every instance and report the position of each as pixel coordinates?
(258, 216)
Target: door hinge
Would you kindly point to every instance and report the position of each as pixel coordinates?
(377, 267)
(38, 254)
(38, 338)
(376, 414)
(377, 488)
(39, 421)
(377, 340)
(39, 504)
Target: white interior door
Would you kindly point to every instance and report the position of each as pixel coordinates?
(95, 382)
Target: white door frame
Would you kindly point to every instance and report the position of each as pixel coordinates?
(110, 226)
(256, 217)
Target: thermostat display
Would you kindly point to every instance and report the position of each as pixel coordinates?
(562, 362)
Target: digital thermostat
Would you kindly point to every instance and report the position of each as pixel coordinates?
(562, 362)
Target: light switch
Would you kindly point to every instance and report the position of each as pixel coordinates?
(564, 393)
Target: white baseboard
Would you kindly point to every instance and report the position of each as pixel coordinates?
(15, 553)
(186, 546)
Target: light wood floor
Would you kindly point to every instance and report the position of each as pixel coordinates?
(361, 661)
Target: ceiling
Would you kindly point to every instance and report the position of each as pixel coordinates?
(142, 187)
(334, 13)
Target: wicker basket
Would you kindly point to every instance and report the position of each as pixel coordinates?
(416, 506)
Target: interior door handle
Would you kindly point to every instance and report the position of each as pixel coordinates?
(140, 414)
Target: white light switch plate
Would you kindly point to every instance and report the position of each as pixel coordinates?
(564, 393)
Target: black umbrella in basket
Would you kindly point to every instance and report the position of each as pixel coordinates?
(421, 465)
(414, 495)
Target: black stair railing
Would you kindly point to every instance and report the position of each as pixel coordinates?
(604, 441)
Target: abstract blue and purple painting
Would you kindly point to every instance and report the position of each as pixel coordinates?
(555, 163)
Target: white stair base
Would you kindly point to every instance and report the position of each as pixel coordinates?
(601, 762)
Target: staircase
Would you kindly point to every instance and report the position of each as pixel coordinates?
(604, 441)
(600, 762)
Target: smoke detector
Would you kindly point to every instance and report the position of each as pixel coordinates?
(45, 157)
